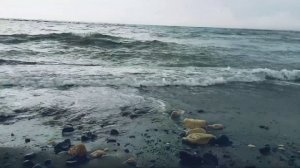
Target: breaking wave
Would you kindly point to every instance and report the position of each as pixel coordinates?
(80, 76)
(92, 39)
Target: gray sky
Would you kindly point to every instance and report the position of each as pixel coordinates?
(268, 14)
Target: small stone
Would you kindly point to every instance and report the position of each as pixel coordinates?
(29, 156)
(62, 146)
(200, 111)
(67, 129)
(131, 161)
(108, 140)
(264, 127)
(131, 136)
(281, 148)
(210, 160)
(280, 145)
(98, 153)
(251, 146)
(196, 130)
(265, 150)
(78, 150)
(114, 132)
(221, 141)
(27, 140)
(190, 159)
(198, 138)
(88, 136)
(126, 151)
(48, 163)
(12, 134)
(216, 126)
(194, 123)
(28, 163)
(37, 166)
(72, 162)
(176, 114)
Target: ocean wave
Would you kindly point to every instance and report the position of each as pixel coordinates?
(15, 62)
(66, 77)
(93, 39)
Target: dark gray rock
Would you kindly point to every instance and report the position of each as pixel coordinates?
(62, 146)
(221, 141)
(190, 159)
(265, 150)
(37, 166)
(210, 160)
(48, 163)
(28, 163)
(114, 132)
(67, 129)
(109, 140)
(29, 156)
(27, 140)
(88, 136)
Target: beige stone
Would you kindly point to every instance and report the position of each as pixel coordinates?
(216, 126)
(196, 130)
(98, 153)
(78, 150)
(198, 138)
(194, 123)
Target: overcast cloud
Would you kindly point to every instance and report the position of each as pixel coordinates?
(263, 14)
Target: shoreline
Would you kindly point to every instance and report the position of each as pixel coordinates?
(155, 140)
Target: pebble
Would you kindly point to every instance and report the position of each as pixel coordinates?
(190, 159)
(29, 156)
(62, 146)
(131, 161)
(28, 163)
(78, 150)
(48, 162)
(114, 132)
(67, 129)
(176, 114)
(88, 136)
(126, 151)
(210, 160)
(12, 134)
(37, 166)
(265, 150)
(109, 140)
(281, 148)
(264, 127)
(27, 140)
(72, 162)
(216, 126)
(221, 141)
(251, 146)
(98, 153)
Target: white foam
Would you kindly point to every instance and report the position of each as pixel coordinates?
(61, 75)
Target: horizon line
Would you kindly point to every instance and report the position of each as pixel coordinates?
(136, 24)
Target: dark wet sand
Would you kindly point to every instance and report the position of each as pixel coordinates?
(242, 108)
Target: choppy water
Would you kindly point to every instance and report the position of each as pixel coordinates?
(56, 59)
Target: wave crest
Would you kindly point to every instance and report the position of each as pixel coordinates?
(93, 39)
(68, 76)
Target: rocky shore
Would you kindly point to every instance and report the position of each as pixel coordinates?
(141, 136)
